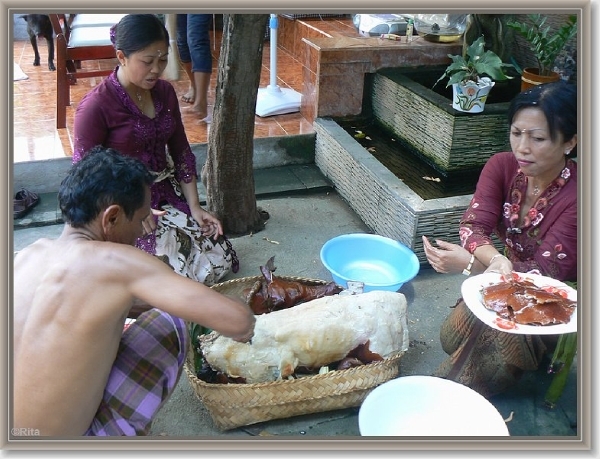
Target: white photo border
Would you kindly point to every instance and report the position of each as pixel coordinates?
(587, 11)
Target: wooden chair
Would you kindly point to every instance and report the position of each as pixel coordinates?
(80, 37)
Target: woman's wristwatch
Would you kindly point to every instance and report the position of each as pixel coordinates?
(467, 270)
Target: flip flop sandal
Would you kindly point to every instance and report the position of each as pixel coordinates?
(23, 202)
(264, 215)
(187, 99)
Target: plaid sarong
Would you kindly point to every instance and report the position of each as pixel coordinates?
(147, 367)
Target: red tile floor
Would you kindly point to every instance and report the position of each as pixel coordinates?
(34, 103)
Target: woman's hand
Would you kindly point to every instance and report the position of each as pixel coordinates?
(209, 224)
(149, 223)
(500, 264)
(446, 257)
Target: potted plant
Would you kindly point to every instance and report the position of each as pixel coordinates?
(545, 46)
(472, 76)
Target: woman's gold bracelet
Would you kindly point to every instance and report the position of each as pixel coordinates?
(494, 257)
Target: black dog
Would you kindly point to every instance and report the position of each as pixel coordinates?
(39, 26)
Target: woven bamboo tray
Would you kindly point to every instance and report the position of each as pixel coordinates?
(235, 405)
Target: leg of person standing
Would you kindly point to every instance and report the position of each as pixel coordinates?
(198, 41)
(185, 57)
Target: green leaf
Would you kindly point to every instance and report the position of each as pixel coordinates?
(476, 48)
(475, 63)
(195, 330)
(564, 354)
(545, 46)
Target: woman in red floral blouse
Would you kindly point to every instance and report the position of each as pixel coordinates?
(527, 198)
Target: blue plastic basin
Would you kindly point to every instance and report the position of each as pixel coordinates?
(379, 262)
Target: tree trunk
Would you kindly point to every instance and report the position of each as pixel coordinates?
(228, 173)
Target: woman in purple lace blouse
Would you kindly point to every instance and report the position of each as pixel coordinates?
(528, 199)
(137, 113)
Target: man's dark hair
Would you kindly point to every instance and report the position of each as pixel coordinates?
(102, 178)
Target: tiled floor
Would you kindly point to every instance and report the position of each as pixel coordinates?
(35, 133)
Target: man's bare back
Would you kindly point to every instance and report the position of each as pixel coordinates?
(67, 330)
(71, 298)
(68, 325)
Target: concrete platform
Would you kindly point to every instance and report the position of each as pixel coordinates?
(305, 212)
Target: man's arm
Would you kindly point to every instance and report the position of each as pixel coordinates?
(137, 308)
(154, 284)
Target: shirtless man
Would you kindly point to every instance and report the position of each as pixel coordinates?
(75, 371)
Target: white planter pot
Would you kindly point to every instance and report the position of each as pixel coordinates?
(470, 97)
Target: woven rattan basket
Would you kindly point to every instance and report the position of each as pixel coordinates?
(235, 405)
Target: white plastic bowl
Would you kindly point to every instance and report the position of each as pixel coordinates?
(417, 406)
(380, 263)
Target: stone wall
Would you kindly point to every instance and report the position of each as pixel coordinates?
(387, 205)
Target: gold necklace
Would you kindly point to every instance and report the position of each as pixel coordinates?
(536, 189)
(141, 97)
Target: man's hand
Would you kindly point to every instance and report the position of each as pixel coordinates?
(247, 338)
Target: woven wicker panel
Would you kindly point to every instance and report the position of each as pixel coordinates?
(439, 225)
(419, 122)
(235, 405)
(380, 199)
(366, 184)
(428, 124)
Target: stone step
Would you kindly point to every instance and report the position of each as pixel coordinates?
(268, 182)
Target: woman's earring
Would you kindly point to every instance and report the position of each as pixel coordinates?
(567, 152)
